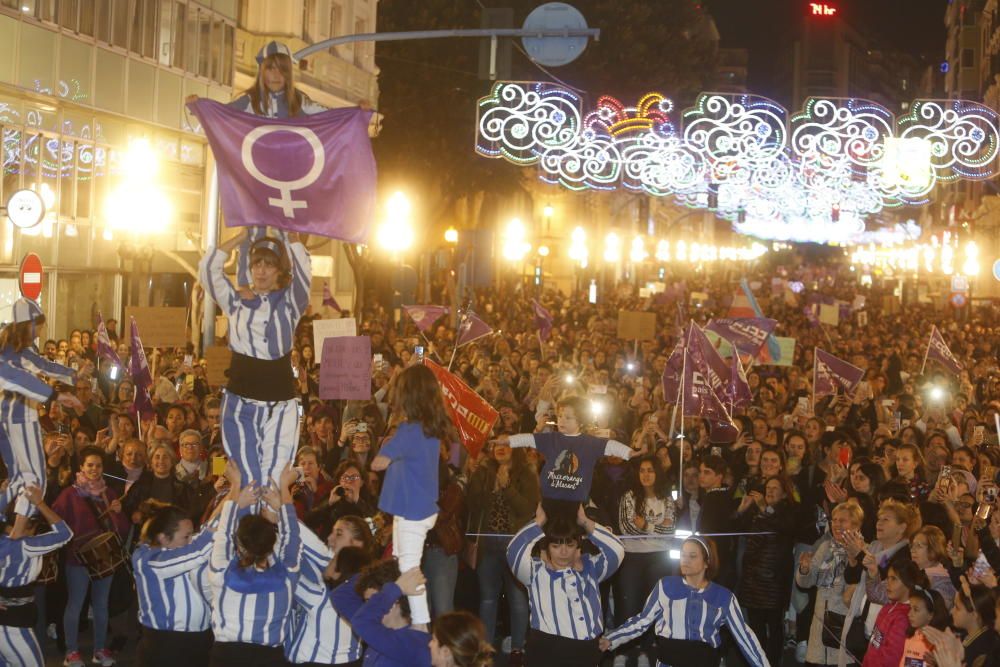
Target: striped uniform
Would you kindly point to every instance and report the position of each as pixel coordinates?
(248, 605)
(168, 585)
(320, 635)
(20, 565)
(567, 602)
(20, 435)
(680, 611)
(260, 436)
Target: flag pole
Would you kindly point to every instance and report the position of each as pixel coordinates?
(683, 389)
(814, 384)
(454, 350)
(928, 350)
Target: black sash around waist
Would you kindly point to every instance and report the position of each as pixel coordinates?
(261, 379)
(14, 592)
(19, 616)
(686, 652)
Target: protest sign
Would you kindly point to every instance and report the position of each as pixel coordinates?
(347, 369)
(323, 329)
(161, 326)
(636, 325)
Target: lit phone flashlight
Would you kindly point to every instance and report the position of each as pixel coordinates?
(569, 378)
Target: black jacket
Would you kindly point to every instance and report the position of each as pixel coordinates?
(766, 582)
(170, 490)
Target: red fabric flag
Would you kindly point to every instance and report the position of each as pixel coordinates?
(470, 413)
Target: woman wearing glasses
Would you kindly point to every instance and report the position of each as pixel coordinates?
(348, 498)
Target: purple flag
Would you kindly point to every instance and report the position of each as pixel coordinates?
(747, 334)
(703, 384)
(938, 350)
(425, 316)
(105, 350)
(312, 174)
(543, 321)
(472, 328)
(832, 373)
(328, 299)
(141, 377)
(738, 392)
(672, 374)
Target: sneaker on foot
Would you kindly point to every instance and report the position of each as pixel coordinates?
(51, 631)
(73, 659)
(516, 658)
(103, 657)
(620, 660)
(505, 645)
(800, 651)
(642, 661)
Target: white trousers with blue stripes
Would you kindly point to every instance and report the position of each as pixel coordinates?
(260, 436)
(23, 454)
(19, 648)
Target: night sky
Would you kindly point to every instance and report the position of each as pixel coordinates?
(915, 26)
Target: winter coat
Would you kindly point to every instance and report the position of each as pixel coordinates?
(885, 647)
(767, 562)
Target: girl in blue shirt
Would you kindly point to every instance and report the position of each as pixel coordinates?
(410, 459)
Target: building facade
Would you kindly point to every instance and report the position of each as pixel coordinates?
(82, 79)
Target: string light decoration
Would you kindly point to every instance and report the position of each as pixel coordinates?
(812, 176)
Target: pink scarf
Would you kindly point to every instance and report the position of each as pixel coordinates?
(95, 488)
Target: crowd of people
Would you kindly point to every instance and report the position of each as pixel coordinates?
(256, 524)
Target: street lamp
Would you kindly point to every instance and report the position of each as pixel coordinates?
(451, 235)
(612, 248)
(138, 203)
(971, 265)
(514, 245)
(396, 232)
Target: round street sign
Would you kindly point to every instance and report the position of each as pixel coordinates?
(554, 51)
(25, 208)
(958, 299)
(996, 269)
(29, 278)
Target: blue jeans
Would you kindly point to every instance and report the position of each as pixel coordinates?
(441, 571)
(77, 582)
(495, 577)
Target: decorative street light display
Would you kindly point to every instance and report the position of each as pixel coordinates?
(812, 176)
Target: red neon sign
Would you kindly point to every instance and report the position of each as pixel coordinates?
(822, 9)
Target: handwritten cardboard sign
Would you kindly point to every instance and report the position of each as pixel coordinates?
(335, 328)
(217, 360)
(346, 371)
(159, 326)
(636, 325)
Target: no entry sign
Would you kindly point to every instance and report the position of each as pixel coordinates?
(29, 279)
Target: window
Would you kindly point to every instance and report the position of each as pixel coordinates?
(968, 57)
(204, 44)
(143, 33)
(67, 194)
(227, 55)
(68, 10)
(180, 43)
(119, 23)
(309, 16)
(336, 16)
(102, 20)
(165, 45)
(85, 179)
(360, 48)
(87, 21)
(217, 47)
(191, 40)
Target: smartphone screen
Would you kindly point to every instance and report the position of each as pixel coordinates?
(113, 372)
(419, 351)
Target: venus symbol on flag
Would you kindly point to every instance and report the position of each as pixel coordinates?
(285, 188)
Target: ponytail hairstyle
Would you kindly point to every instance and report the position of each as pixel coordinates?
(419, 399)
(465, 637)
(159, 518)
(255, 539)
(362, 533)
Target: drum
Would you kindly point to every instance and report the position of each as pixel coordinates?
(101, 555)
(50, 568)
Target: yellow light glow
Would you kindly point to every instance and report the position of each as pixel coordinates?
(451, 235)
(395, 234)
(682, 251)
(514, 245)
(971, 265)
(398, 206)
(138, 203)
(543, 250)
(548, 211)
(638, 252)
(612, 248)
(663, 251)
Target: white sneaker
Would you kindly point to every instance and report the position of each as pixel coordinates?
(505, 645)
(620, 660)
(642, 661)
(801, 650)
(104, 658)
(51, 631)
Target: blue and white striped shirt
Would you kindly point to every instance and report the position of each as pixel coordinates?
(565, 602)
(168, 585)
(320, 634)
(249, 605)
(262, 327)
(17, 371)
(680, 611)
(21, 559)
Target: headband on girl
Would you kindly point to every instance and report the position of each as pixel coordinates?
(704, 545)
(926, 595)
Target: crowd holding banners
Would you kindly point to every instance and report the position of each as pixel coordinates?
(837, 501)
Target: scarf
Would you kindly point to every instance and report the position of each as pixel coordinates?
(95, 488)
(191, 468)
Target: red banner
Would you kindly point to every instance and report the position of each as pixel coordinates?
(471, 415)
